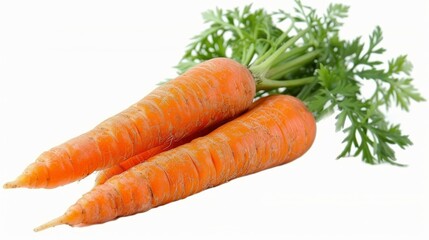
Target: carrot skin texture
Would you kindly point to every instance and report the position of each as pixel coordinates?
(107, 173)
(277, 130)
(212, 91)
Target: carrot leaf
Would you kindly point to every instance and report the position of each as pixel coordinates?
(301, 53)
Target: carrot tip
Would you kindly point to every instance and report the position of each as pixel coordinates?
(21, 181)
(52, 223)
(12, 184)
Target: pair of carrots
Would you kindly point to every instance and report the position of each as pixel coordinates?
(163, 149)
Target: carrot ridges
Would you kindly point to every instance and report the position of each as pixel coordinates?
(250, 143)
(211, 92)
(107, 173)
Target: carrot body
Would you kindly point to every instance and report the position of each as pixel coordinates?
(107, 173)
(210, 92)
(275, 131)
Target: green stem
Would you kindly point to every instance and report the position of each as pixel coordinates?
(292, 53)
(269, 52)
(248, 55)
(284, 35)
(285, 68)
(268, 84)
(269, 60)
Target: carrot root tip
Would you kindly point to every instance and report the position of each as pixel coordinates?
(52, 223)
(12, 184)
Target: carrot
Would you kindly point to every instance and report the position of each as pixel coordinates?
(107, 173)
(277, 130)
(211, 92)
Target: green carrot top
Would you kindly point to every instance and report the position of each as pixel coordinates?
(309, 60)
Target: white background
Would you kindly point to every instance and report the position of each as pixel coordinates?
(67, 65)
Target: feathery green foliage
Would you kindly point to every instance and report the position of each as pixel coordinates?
(301, 54)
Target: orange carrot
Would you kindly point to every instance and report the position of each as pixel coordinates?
(210, 92)
(275, 131)
(107, 173)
